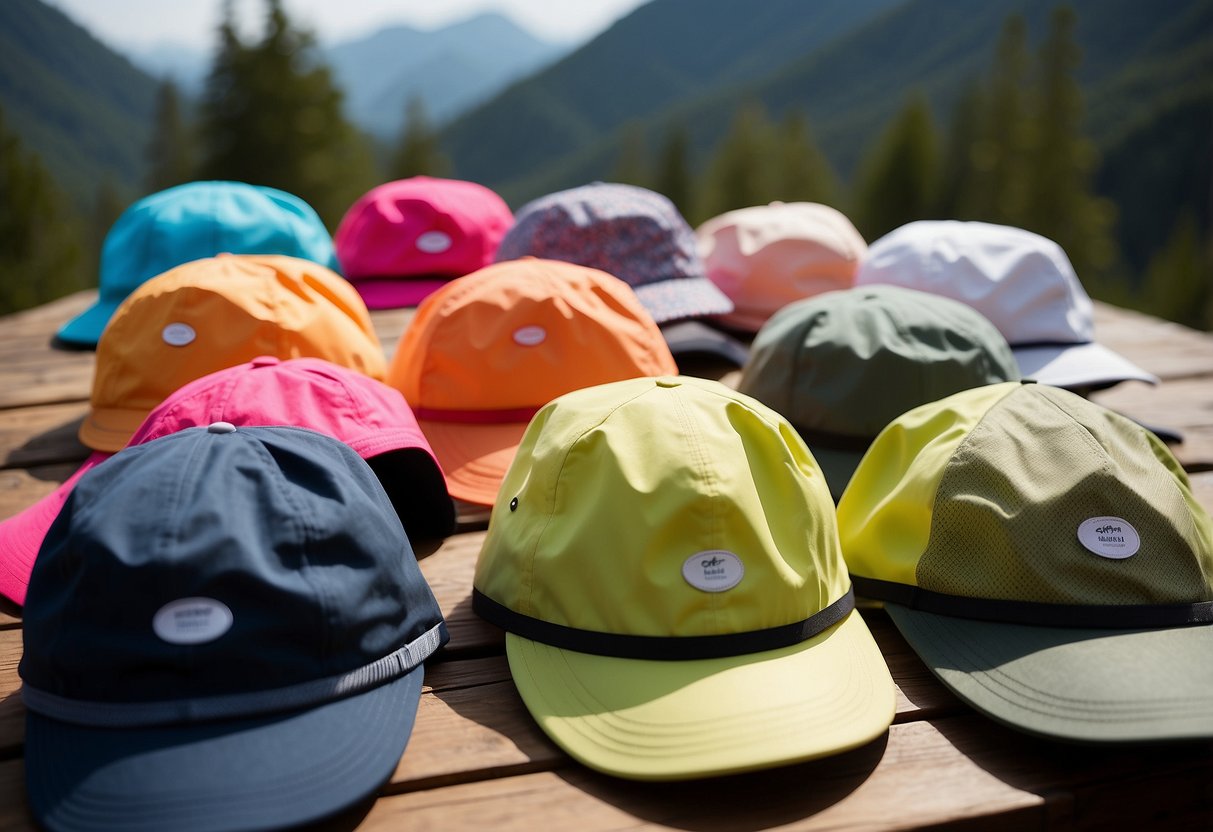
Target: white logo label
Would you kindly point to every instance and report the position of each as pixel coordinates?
(713, 571)
(178, 335)
(1109, 537)
(529, 336)
(192, 620)
(434, 242)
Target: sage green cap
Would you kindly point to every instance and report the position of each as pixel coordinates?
(1046, 559)
(842, 365)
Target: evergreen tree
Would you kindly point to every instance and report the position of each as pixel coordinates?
(1060, 202)
(1000, 154)
(673, 174)
(744, 169)
(419, 152)
(1179, 280)
(804, 173)
(631, 165)
(40, 252)
(170, 154)
(271, 115)
(897, 184)
(956, 194)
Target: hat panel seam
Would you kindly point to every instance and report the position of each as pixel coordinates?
(699, 458)
(300, 519)
(528, 578)
(960, 449)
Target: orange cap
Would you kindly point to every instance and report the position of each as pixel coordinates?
(211, 314)
(487, 350)
(767, 256)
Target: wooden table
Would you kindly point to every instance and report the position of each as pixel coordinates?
(477, 761)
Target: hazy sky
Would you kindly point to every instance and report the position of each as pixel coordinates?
(193, 22)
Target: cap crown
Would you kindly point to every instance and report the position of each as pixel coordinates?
(368, 415)
(630, 232)
(421, 226)
(996, 493)
(202, 219)
(1022, 282)
(621, 487)
(213, 313)
(287, 529)
(516, 335)
(849, 362)
(767, 256)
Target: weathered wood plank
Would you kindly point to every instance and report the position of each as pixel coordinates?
(1185, 405)
(1167, 349)
(880, 786)
(42, 435)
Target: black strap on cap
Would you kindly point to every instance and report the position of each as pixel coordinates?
(661, 648)
(1095, 616)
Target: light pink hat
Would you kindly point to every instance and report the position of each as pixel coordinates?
(768, 256)
(368, 415)
(403, 240)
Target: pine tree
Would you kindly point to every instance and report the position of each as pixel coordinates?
(40, 251)
(956, 192)
(419, 152)
(1000, 154)
(271, 115)
(804, 174)
(897, 183)
(744, 169)
(1179, 281)
(1060, 202)
(170, 153)
(673, 174)
(631, 165)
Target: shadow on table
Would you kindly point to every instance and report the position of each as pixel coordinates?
(1120, 786)
(740, 802)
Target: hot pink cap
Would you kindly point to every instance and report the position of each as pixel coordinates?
(368, 415)
(403, 240)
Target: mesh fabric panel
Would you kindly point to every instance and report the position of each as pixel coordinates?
(1013, 495)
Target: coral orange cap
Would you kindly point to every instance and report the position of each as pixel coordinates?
(214, 313)
(486, 351)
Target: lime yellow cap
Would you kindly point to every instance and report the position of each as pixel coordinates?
(664, 555)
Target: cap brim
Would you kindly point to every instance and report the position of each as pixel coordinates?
(270, 772)
(474, 457)
(414, 482)
(837, 466)
(695, 337)
(396, 292)
(746, 321)
(21, 535)
(670, 720)
(84, 330)
(1078, 365)
(110, 429)
(1082, 685)
(683, 297)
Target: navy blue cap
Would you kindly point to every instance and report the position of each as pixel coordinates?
(225, 628)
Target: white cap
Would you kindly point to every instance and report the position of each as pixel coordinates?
(1022, 282)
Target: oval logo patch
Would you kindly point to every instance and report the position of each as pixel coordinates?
(178, 335)
(1109, 537)
(530, 336)
(715, 570)
(434, 242)
(192, 620)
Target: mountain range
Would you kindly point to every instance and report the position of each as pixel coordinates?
(450, 68)
(849, 65)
